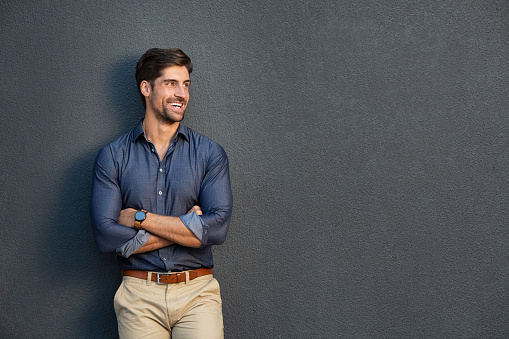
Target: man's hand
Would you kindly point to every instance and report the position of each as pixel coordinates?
(196, 209)
(126, 216)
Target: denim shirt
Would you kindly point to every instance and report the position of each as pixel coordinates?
(128, 172)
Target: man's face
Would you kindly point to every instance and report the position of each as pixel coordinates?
(169, 94)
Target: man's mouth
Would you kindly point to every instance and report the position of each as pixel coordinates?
(177, 105)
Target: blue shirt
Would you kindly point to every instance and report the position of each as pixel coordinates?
(128, 172)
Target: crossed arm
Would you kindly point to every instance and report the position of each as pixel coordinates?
(203, 225)
(164, 230)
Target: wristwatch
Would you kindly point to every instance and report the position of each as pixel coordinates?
(139, 217)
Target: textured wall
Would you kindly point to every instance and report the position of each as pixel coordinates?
(368, 148)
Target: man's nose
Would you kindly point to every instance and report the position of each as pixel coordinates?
(180, 91)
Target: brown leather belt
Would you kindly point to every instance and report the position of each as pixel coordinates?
(168, 278)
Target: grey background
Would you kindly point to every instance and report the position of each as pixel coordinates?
(368, 149)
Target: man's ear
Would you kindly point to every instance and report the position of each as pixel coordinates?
(145, 88)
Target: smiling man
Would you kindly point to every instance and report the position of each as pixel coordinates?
(161, 198)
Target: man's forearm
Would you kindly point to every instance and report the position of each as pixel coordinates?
(171, 229)
(154, 243)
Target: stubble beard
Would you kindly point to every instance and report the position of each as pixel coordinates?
(168, 116)
(171, 117)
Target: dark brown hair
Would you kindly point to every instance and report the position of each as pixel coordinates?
(153, 61)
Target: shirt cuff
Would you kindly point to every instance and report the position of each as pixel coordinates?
(134, 244)
(196, 225)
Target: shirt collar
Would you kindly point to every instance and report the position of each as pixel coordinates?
(138, 131)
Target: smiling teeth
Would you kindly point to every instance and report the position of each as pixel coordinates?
(176, 105)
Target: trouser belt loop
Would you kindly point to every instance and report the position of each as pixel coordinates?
(149, 278)
(187, 277)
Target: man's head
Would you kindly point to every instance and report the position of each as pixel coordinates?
(154, 61)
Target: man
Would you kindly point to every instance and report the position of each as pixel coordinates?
(161, 198)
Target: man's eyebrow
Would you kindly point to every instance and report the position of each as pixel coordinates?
(175, 80)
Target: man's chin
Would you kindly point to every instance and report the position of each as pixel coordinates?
(173, 118)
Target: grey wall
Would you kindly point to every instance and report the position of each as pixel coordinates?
(368, 148)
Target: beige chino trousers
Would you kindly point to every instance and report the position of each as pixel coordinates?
(190, 309)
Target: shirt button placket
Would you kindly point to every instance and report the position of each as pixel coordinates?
(160, 183)
(160, 188)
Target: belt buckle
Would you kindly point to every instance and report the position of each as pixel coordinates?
(158, 280)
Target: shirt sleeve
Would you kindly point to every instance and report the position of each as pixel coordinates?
(216, 201)
(134, 244)
(105, 207)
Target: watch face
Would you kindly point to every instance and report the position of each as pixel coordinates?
(140, 216)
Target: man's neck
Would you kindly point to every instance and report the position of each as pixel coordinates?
(159, 133)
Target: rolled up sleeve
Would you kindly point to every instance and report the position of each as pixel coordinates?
(216, 202)
(105, 207)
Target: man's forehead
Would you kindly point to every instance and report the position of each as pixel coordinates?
(175, 73)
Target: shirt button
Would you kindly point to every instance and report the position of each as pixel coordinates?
(160, 170)
(160, 192)
(153, 150)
